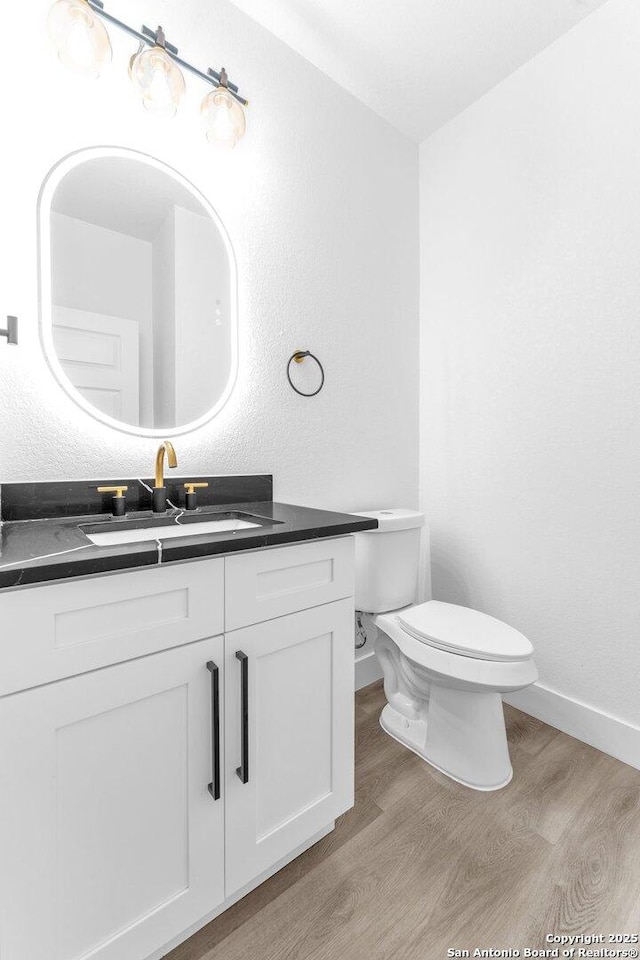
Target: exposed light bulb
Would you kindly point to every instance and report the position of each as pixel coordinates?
(223, 117)
(158, 80)
(79, 36)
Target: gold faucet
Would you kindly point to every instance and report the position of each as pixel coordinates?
(165, 447)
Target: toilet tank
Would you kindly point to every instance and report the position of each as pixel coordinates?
(387, 560)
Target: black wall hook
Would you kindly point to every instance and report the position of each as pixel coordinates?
(299, 356)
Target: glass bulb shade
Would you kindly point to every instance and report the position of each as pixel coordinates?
(223, 117)
(133, 58)
(79, 36)
(158, 80)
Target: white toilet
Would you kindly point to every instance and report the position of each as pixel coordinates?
(445, 667)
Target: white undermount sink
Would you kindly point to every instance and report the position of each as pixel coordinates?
(130, 532)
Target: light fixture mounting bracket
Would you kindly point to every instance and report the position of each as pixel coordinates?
(159, 39)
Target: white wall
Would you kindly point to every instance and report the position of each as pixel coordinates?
(320, 201)
(530, 357)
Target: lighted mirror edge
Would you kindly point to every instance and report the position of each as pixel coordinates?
(49, 186)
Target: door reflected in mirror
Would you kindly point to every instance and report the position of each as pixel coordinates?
(138, 292)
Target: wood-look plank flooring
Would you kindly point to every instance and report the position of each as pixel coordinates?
(422, 864)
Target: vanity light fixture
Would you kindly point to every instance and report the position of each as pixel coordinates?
(223, 116)
(155, 69)
(78, 35)
(157, 78)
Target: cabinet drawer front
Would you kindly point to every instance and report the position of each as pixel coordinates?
(272, 583)
(63, 629)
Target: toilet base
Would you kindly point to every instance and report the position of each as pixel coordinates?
(463, 736)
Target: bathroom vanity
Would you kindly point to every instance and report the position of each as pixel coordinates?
(176, 655)
(172, 733)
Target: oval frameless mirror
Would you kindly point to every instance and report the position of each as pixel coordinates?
(138, 292)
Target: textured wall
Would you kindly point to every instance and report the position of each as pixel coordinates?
(320, 201)
(531, 357)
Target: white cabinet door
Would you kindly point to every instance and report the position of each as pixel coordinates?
(110, 842)
(291, 740)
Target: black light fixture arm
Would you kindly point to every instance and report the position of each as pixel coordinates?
(152, 38)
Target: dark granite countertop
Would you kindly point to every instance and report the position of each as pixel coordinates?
(39, 551)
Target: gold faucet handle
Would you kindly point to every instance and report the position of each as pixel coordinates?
(192, 487)
(116, 491)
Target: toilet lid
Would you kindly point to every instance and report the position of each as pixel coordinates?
(466, 632)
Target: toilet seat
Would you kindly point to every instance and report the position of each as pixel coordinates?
(450, 667)
(464, 632)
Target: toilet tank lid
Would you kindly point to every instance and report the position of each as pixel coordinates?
(397, 519)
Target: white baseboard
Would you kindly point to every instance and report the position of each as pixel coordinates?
(368, 670)
(613, 736)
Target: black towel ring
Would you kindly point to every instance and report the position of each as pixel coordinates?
(299, 356)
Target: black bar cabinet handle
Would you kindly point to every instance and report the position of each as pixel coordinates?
(243, 769)
(214, 786)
